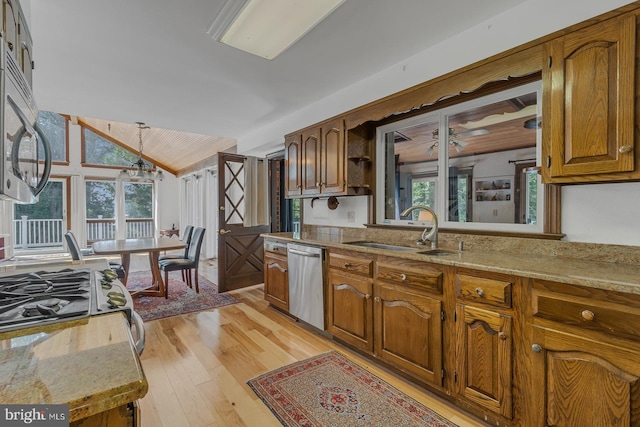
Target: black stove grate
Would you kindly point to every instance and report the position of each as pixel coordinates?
(28, 299)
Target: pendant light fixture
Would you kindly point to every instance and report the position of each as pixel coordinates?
(142, 171)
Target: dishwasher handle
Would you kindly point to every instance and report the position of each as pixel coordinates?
(301, 253)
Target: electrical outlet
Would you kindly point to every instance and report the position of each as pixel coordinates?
(495, 212)
(351, 216)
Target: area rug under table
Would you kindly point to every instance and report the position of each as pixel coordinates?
(182, 299)
(331, 390)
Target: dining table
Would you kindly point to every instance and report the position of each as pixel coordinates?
(152, 246)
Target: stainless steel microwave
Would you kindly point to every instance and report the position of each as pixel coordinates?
(23, 174)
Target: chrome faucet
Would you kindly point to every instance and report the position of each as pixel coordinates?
(431, 235)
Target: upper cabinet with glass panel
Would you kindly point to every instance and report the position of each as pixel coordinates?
(466, 162)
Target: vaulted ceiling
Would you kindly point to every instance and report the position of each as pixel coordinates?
(112, 63)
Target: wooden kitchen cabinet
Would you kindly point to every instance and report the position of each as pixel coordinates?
(350, 309)
(588, 104)
(332, 158)
(484, 340)
(585, 356)
(276, 279)
(582, 381)
(483, 358)
(350, 298)
(321, 162)
(122, 416)
(408, 331)
(293, 165)
(311, 161)
(397, 317)
(323, 159)
(408, 317)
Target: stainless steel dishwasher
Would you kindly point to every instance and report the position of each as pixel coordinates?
(306, 283)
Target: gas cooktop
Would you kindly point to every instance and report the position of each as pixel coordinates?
(41, 297)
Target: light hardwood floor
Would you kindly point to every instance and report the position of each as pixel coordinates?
(197, 364)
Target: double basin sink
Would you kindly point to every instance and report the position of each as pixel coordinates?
(431, 252)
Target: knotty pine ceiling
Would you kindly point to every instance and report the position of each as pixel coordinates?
(170, 150)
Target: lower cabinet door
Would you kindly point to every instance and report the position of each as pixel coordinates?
(408, 331)
(483, 358)
(276, 281)
(350, 309)
(583, 382)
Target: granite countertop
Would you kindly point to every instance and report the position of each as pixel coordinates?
(584, 272)
(91, 364)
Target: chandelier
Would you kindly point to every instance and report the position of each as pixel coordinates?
(142, 171)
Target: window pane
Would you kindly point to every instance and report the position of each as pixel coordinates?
(101, 210)
(99, 151)
(138, 200)
(41, 224)
(423, 192)
(295, 215)
(138, 206)
(408, 155)
(54, 127)
(101, 196)
(486, 137)
(531, 198)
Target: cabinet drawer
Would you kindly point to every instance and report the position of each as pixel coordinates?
(484, 289)
(600, 316)
(356, 265)
(413, 273)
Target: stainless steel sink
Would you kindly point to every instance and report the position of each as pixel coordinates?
(381, 246)
(437, 252)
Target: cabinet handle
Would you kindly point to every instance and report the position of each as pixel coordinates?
(536, 348)
(298, 186)
(625, 149)
(503, 336)
(347, 265)
(403, 276)
(377, 299)
(480, 292)
(367, 296)
(588, 315)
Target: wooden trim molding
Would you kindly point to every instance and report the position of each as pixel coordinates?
(465, 80)
(553, 209)
(67, 181)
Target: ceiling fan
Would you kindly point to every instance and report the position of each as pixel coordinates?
(454, 140)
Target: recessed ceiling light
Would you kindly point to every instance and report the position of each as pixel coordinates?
(268, 27)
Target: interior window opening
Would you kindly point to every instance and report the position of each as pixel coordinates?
(467, 162)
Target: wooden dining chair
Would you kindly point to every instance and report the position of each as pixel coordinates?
(188, 264)
(77, 253)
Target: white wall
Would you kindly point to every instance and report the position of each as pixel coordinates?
(520, 24)
(352, 211)
(590, 213)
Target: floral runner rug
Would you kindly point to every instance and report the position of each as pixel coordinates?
(182, 299)
(331, 390)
